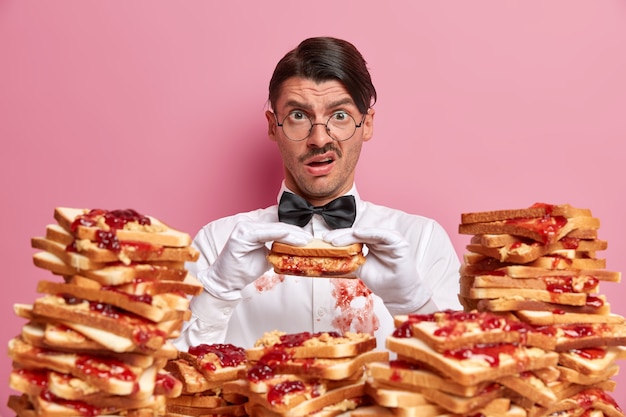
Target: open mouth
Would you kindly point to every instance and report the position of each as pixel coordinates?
(321, 162)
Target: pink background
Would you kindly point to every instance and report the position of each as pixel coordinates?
(158, 106)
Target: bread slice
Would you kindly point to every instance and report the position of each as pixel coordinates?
(67, 336)
(24, 407)
(545, 230)
(547, 318)
(575, 377)
(216, 362)
(74, 260)
(111, 274)
(193, 380)
(171, 290)
(560, 283)
(537, 210)
(142, 332)
(61, 408)
(593, 305)
(86, 223)
(499, 240)
(556, 262)
(56, 336)
(343, 407)
(591, 361)
(167, 385)
(521, 252)
(270, 381)
(487, 363)
(448, 330)
(120, 378)
(410, 375)
(70, 387)
(64, 339)
(389, 396)
(297, 403)
(529, 386)
(176, 410)
(493, 267)
(313, 345)
(455, 404)
(317, 247)
(574, 299)
(583, 335)
(127, 251)
(324, 368)
(583, 400)
(157, 308)
(203, 401)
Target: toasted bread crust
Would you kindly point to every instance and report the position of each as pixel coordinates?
(535, 211)
(317, 247)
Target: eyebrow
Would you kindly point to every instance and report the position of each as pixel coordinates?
(338, 103)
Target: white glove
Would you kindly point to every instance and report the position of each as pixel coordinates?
(244, 257)
(389, 270)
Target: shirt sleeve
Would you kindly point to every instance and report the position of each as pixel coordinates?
(440, 265)
(209, 315)
(208, 322)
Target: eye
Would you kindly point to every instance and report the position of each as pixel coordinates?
(340, 116)
(297, 116)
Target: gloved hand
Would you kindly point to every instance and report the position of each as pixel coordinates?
(243, 258)
(389, 270)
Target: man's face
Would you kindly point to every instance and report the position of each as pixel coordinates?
(318, 168)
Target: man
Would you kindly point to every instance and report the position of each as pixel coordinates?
(321, 97)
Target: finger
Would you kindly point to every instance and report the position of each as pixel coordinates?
(340, 237)
(291, 237)
(373, 236)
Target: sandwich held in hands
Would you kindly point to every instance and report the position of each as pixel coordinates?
(316, 259)
(244, 257)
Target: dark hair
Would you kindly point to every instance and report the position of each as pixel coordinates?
(323, 59)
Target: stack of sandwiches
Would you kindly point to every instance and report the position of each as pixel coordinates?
(203, 371)
(539, 265)
(536, 338)
(303, 374)
(455, 362)
(98, 338)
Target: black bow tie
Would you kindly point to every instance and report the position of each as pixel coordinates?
(339, 213)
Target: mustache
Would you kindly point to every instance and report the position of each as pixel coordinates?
(329, 147)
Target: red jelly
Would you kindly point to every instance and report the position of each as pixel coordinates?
(277, 393)
(260, 372)
(228, 354)
(104, 369)
(487, 352)
(590, 353)
(115, 219)
(298, 339)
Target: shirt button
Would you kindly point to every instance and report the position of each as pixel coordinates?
(226, 311)
(320, 312)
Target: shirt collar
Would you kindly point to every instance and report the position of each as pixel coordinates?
(353, 191)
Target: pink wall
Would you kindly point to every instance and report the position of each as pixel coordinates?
(158, 106)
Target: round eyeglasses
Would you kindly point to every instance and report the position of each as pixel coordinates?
(340, 126)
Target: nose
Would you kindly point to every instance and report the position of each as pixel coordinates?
(319, 137)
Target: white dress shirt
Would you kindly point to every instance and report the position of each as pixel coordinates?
(296, 304)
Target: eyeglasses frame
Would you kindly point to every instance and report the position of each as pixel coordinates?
(356, 126)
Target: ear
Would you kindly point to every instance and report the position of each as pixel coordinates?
(271, 125)
(368, 125)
